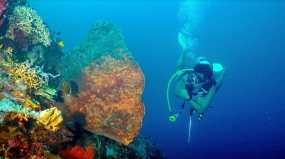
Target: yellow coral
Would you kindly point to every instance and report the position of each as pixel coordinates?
(51, 118)
(23, 71)
(5, 150)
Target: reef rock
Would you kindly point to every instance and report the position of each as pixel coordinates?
(110, 83)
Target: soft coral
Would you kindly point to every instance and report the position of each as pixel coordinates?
(77, 152)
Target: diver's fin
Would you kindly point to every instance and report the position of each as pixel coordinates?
(191, 111)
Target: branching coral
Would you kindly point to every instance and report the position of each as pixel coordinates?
(5, 150)
(24, 71)
(6, 53)
(27, 20)
(33, 77)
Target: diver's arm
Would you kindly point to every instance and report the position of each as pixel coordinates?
(182, 94)
(196, 106)
(207, 99)
(180, 63)
(180, 90)
(220, 80)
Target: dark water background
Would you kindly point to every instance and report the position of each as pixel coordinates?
(247, 37)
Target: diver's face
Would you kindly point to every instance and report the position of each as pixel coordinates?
(197, 86)
(201, 75)
(196, 78)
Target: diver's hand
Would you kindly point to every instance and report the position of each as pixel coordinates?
(184, 94)
(200, 99)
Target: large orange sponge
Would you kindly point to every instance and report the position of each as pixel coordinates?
(110, 84)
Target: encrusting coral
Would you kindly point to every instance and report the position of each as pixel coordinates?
(9, 106)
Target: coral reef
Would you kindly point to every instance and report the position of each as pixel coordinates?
(36, 54)
(144, 149)
(50, 118)
(22, 40)
(93, 111)
(3, 7)
(25, 143)
(23, 131)
(110, 86)
(46, 92)
(30, 103)
(2, 117)
(27, 20)
(107, 148)
(9, 106)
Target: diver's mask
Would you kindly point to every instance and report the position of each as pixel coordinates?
(195, 78)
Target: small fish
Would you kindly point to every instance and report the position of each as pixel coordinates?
(60, 43)
(66, 89)
(58, 33)
(53, 32)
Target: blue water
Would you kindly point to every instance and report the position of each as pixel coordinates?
(248, 38)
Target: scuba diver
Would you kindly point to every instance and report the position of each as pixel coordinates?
(197, 86)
